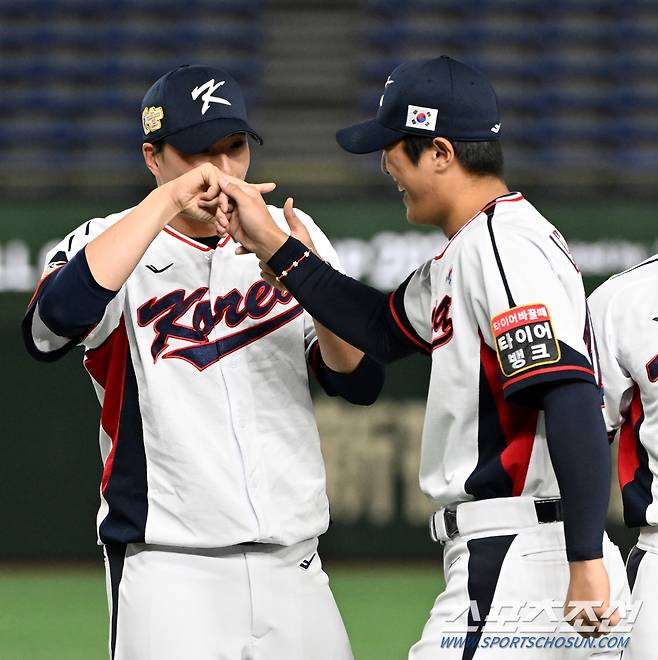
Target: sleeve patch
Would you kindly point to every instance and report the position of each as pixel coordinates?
(524, 339)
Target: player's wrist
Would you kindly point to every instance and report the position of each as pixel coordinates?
(291, 251)
(272, 240)
(585, 565)
(162, 204)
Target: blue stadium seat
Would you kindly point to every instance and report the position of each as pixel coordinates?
(108, 71)
(113, 36)
(620, 7)
(44, 8)
(69, 134)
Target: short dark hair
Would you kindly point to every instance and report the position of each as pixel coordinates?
(158, 146)
(477, 158)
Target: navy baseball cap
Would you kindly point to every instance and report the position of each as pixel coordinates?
(433, 97)
(193, 106)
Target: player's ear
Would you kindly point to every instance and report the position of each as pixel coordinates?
(443, 153)
(149, 154)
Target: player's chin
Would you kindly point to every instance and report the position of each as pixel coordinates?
(410, 208)
(414, 217)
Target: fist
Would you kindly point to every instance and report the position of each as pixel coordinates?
(195, 194)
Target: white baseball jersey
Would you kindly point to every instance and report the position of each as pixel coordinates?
(625, 319)
(501, 309)
(207, 432)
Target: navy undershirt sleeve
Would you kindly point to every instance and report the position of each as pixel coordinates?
(579, 450)
(71, 302)
(357, 313)
(361, 387)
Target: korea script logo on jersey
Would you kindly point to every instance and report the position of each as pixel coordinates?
(524, 338)
(232, 309)
(442, 323)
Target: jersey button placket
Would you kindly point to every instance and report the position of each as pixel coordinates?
(230, 369)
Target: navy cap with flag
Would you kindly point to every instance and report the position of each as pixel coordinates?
(433, 97)
(192, 107)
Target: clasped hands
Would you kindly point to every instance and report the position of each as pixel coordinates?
(236, 208)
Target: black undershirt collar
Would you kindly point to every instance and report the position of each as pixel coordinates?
(210, 241)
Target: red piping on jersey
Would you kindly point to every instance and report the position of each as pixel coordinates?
(38, 289)
(107, 366)
(517, 424)
(407, 334)
(548, 370)
(486, 208)
(628, 460)
(192, 243)
(40, 284)
(500, 201)
(314, 355)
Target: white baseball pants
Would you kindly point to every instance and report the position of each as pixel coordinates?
(248, 602)
(508, 558)
(642, 567)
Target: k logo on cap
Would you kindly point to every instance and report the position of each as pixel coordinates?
(208, 98)
(192, 107)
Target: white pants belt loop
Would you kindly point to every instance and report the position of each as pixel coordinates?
(484, 517)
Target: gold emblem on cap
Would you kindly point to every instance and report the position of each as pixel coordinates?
(152, 119)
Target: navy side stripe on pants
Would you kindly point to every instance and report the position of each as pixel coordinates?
(116, 555)
(633, 564)
(484, 564)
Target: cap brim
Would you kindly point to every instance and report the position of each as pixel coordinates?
(366, 137)
(199, 138)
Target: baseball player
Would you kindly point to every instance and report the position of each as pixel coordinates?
(213, 487)
(624, 314)
(514, 451)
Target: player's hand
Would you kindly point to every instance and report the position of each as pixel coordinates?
(298, 229)
(270, 276)
(186, 191)
(589, 583)
(250, 223)
(198, 196)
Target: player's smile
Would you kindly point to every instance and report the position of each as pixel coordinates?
(412, 181)
(388, 167)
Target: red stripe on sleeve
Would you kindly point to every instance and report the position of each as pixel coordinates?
(537, 372)
(406, 332)
(314, 356)
(628, 460)
(41, 283)
(518, 424)
(107, 366)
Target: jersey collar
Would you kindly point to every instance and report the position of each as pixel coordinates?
(191, 242)
(507, 197)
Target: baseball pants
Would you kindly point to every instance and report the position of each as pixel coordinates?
(248, 602)
(642, 567)
(505, 564)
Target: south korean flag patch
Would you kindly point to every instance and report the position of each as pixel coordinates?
(418, 117)
(524, 338)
